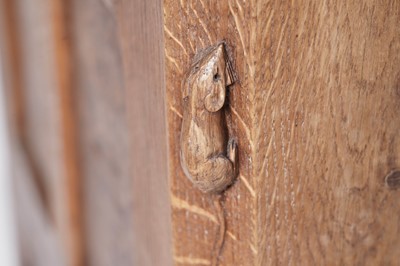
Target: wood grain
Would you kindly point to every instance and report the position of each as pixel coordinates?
(141, 39)
(316, 116)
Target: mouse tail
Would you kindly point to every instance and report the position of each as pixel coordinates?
(220, 238)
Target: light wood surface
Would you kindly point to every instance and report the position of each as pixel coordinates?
(316, 115)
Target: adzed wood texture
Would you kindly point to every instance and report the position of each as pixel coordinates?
(317, 118)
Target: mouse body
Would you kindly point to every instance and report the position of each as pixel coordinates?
(208, 156)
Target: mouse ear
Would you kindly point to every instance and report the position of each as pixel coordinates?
(215, 100)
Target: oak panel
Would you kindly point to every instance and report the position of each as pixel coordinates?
(315, 112)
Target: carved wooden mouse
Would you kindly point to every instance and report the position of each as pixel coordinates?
(207, 157)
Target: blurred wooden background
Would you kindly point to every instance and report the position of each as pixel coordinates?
(84, 84)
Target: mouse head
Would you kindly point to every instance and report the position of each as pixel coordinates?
(210, 74)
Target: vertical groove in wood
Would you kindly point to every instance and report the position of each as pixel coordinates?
(71, 186)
